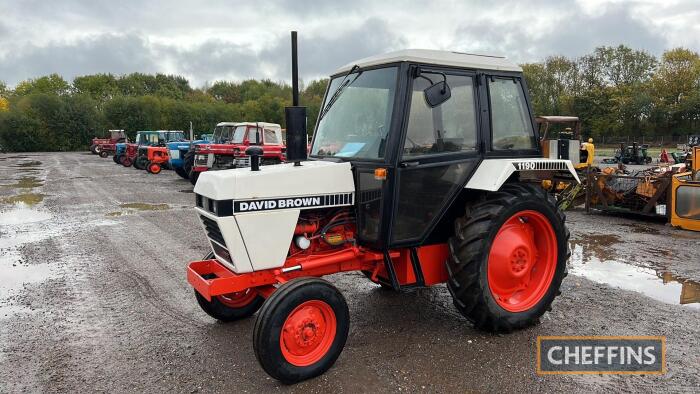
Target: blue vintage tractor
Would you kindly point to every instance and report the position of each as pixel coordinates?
(119, 152)
(177, 151)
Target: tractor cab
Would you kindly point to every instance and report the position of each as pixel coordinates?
(425, 168)
(230, 142)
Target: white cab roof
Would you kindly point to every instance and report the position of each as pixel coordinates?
(275, 126)
(443, 58)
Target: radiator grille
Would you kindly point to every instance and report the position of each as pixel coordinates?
(213, 231)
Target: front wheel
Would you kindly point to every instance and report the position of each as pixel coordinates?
(126, 161)
(231, 307)
(508, 258)
(104, 154)
(301, 330)
(154, 168)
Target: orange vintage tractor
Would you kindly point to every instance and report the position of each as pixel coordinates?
(157, 159)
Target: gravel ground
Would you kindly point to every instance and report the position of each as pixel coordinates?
(93, 297)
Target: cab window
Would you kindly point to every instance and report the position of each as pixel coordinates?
(511, 126)
(449, 127)
(271, 137)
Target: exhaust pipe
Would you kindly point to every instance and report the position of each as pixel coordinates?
(295, 116)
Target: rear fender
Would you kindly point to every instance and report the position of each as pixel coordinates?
(493, 173)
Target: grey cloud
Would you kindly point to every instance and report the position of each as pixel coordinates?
(321, 55)
(574, 34)
(106, 53)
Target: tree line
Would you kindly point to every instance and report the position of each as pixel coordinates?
(616, 91)
(51, 114)
(619, 91)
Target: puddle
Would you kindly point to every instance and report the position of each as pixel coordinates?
(33, 163)
(114, 214)
(25, 182)
(15, 276)
(597, 246)
(21, 225)
(657, 284)
(139, 206)
(27, 198)
(21, 214)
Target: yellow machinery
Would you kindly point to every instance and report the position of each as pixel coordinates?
(567, 145)
(685, 196)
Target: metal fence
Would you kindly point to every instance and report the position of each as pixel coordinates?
(659, 140)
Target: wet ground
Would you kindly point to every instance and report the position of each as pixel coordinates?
(93, 297)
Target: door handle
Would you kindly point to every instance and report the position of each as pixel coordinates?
(407, 164)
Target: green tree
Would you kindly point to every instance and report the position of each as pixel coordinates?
(52, 84)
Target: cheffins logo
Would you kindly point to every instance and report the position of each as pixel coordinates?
(601, 355)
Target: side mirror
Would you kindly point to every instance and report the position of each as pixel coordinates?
(437, 94)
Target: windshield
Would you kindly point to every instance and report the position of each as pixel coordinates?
(175, 136)
(217, 134)
(239, 135)
(357, 123)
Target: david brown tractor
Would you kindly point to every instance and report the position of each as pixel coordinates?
(424, 169)
(106, 146)
(230, 147)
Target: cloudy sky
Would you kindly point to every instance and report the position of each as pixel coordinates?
(215, 40)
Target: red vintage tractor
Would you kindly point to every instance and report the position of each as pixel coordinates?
(231, 139)
(424, 169)
(106, 146)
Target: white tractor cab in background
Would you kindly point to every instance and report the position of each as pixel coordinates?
(424, 168)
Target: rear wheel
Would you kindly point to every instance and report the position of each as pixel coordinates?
(301, 330)
(92, 149)
(140, 163)
(181, 172)
(194, 175)
(508, 258)
(188, 161)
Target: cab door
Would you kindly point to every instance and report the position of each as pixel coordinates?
(440, 150)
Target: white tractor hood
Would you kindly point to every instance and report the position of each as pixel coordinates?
(280, 180)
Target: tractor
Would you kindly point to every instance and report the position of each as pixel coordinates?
(99, 145)
(178, 153)
(231, 142)
(120, 151)
(143, 139)
(159, 139)
(157, 157)
(630, 154)
(424, 168)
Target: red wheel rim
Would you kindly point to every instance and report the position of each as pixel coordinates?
(155, 168)
(522, 261)
(308, 333)
(239, 299)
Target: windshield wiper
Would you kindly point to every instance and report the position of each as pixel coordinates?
(343, 84)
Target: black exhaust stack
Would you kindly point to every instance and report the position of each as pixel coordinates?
(295, 116)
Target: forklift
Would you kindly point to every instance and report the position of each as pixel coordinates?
(424, 168)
